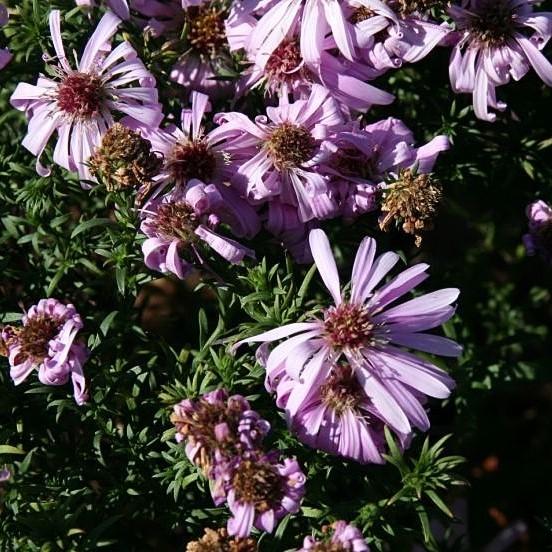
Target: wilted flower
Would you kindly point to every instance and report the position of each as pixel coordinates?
(412, 201)
(5, 55)
(539, 238)
(46, 341)
(179, 224)
(372, 161)
(363, 332)
(498, 40)
(79, 104)
(124, 160)
(261, 490)
(340, 537)
(217, 427)
(394, 32)
(219, 541)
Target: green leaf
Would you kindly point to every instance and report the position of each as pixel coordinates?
(88, 224)
(8, 449)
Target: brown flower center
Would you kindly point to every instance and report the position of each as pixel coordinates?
(205, 29)
(348, 325)
(290, 145)
(176, 221)
(191, 159)
(285, 59)
(257, 483)
(35, 336)
(492, 23)
(341, 391)
(80, 95)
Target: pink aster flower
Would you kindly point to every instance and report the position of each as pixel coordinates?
(260, 490)
(389, 34)
(498, 40)
(370, 335)
(190, 152)
(5, 55)
(179, 224)
(205, 52)
(285, 149)
(80, 104)
(539, 238)
(342, 537)
(46, 341)
(284, 72)
(217, 427)
(339, 418)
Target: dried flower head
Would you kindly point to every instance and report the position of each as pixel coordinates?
(219, 541)
(124, 160)
(412, 200)
(217, 427)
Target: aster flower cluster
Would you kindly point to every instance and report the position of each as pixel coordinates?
(225, 127)
(223, 436)
(46, 341)
(343, 376)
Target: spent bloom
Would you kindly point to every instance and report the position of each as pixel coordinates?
(284, 150)
(217, 427)
(394, 32)
(498, 40)
(368, 334)
(181, 223)
(46, 341)
(379, 163)
(5, 55)
(79, 104)
(539, 238)
(124, 160)
(339, 537)
(260, 490)
(220, 541)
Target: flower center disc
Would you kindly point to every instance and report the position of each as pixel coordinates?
(176, 221)
(285, 59)
(348, 325)
(290, 145)
(35, 336)
(191, 159)
(493, 23)
(80, 95)
(341, 391)
(206, 31)
(257, 483)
